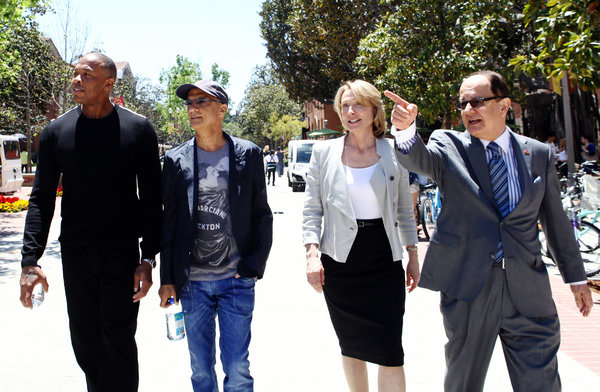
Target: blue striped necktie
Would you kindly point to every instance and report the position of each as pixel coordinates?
(499, 179)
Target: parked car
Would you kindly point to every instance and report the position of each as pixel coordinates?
(11, 178)
(299, 153)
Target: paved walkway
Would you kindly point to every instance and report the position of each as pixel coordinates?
(293, 348)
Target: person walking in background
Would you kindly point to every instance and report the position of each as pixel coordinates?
(94, 145)
(271, 162)
(217, 235)
(280, 159)
(24, 156)
(358, 213)
(484, 257)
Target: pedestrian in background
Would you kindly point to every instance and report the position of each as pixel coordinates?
(24, 156)
(271, 163)
(484, 256)
(217, 235)
(358, 213)
(98, 147)
(280, 159)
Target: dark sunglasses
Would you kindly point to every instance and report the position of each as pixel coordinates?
(198, 101)
(476, 102)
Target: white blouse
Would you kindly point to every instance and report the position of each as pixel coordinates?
(362, 195)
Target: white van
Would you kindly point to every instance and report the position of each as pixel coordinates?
(11, 178)
(299, 153)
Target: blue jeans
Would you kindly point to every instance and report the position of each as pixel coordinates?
(232, 300)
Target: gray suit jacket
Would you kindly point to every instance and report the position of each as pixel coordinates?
(460, 255)
(328, 216)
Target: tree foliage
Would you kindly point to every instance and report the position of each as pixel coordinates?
(567, 40)
(425, 47)
(284, 128)
(13, 10)
(265, 102)
(26, 95)
(70, 35)
(312, 44)
(141, 96)
(174, 124)
(13, 13)
(220, 75)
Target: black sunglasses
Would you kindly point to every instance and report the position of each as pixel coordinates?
(476, 102)
(198, 101)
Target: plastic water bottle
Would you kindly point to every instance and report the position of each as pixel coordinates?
(175, 325)
(37, 295)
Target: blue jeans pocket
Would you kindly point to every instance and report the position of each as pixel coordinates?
(243, 298)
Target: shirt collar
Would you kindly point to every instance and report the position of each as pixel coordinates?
(503, 141)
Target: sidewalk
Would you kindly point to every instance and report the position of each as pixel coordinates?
(293, 348)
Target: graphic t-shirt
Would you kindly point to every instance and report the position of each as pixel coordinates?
(215, 252)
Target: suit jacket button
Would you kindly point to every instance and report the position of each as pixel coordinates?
(396, 224)
(391, 178)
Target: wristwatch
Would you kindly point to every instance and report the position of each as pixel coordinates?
(152, 262)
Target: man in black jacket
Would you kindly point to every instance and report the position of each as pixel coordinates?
(217, 236)
(108, 158)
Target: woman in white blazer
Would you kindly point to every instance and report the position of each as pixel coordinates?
(357, 216)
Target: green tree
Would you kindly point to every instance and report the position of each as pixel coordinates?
(174, 127)
(26, 95)
(14, 13)
(265, 102)
(424, 49)
(11, 10)
(313, 43)
(284, 128)
(70, 35)
(220, 75)
(141, 96)
(567, 36)
(28, 92)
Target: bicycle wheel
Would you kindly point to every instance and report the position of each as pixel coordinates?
(588, 238)
(426, 216)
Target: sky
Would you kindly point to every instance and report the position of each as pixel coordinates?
(150, 34)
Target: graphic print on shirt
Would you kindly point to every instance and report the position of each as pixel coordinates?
(213, 240)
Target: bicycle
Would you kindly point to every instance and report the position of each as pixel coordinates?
(430, 207)
(586, 233)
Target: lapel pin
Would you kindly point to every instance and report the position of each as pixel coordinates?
(526, 152)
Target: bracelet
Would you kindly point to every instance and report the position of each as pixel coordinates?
(412, 249)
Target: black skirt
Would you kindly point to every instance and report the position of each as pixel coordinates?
(365, 298)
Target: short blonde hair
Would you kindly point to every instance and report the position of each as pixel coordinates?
(366, 94)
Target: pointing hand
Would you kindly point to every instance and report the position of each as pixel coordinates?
(404, 113)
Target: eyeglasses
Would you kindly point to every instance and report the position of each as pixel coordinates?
(198, 102)
(476, 102)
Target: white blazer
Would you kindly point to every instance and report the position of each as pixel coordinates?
(328, 216)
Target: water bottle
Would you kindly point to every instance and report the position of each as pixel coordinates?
(37, 295)
(175, 326)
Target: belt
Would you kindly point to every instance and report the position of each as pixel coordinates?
(369, 222)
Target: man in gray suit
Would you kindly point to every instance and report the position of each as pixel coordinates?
(485, 257)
